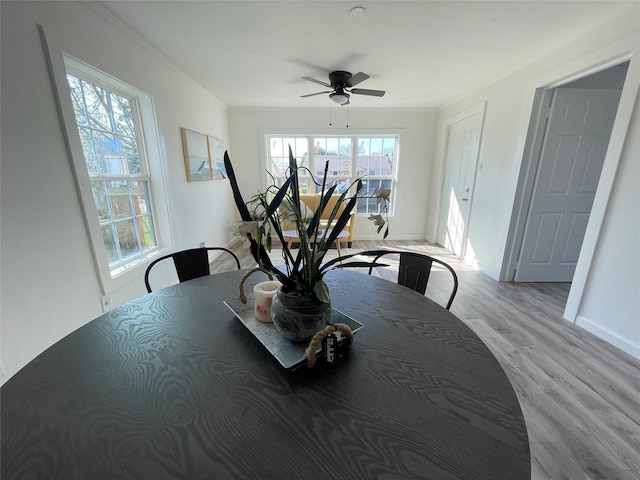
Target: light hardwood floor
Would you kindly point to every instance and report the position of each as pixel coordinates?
(580, 395)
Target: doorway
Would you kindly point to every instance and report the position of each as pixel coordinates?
(571, 139)
(462, 147)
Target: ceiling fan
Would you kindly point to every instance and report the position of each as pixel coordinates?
(342, 84)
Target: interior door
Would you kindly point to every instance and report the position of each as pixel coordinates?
(462, 156)
(571, 160)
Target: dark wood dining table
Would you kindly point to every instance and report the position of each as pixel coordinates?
(173, 386)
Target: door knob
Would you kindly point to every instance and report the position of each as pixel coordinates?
(465, 199)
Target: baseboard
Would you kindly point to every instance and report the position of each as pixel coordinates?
(489, 272)
(431, 239)
(609, 336)
(390, 237)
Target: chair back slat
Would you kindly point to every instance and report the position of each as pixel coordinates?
(191, 264)
(414, 271)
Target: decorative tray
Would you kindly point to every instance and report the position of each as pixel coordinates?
(289, 354)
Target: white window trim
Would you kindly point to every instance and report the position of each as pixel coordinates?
(351, 133)
(110, 279)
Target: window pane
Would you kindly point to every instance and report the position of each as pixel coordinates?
(334, 156)
(90, 158)
(100, 198)
(77, 99)
(303, 186)
(110, 243)
(147, 235)
(279, 158)
(122, 116)
(95, 107)
(279, 166)
(109, 151)
(375, 163)
(127, 238)
(120, 199)
(107, 129)
(132, 159)
(125, 207)
(140, 198)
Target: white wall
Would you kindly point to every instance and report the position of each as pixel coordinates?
(49, 283)
(417, 139)
(611, 305)
(509, 103)
(497, 169)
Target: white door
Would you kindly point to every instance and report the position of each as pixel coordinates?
(462, 156)
(571, 160)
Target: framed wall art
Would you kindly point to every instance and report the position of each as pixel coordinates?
(216, 154)
(197, 161)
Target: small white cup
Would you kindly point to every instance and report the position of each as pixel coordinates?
(263, 294)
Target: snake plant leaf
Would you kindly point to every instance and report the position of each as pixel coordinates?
(315, 220)
(344, 218)
(273, 206)
(237, 196)
(322, 291)
(293, 167)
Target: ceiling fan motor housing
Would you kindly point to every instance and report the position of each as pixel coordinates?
(339, 78)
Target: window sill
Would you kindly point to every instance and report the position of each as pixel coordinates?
(137, 262)
(118, 277)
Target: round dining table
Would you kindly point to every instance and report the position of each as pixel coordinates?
(173, 385)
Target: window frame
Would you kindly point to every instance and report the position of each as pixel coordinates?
(354, 136)
(110, 278)
(105, 177)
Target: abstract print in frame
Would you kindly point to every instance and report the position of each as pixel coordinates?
(216, 154)
(196, 155)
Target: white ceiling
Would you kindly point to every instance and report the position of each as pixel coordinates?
(423, 53)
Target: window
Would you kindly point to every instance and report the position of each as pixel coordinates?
(372, 159)
(375, 161)
(113, 145)
(108, 124)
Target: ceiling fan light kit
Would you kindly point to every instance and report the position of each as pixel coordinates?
(342, 84)
(339, 98)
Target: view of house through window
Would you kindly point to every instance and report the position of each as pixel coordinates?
(372, 159)
(108, 123)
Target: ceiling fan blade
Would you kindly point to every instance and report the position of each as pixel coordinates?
(356, 79)
(317, 81)
(317, 93)
(364, 91)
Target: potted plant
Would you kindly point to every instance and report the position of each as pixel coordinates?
(302, 305)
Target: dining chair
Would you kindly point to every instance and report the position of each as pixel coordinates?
(192, 263)
(414, 270)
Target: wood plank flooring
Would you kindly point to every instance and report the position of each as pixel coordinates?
(580, 395)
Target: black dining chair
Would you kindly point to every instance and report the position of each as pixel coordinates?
(414, 270)
(192, 263)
